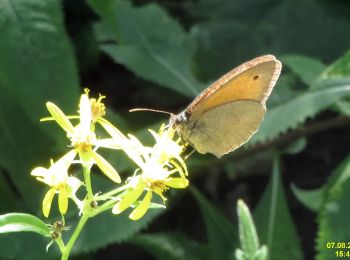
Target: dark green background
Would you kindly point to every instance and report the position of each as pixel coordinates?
(161, 54)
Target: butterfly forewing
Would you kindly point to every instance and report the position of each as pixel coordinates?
(252, 80)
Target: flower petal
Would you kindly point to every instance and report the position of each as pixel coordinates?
(65, 161)
(142, 208)
(129, 198)
(111, 129)
(136, 150)
(39, 172)
(63, 200)
(74, 184)
(177, 183)
(60, 117)
(47, 201)
(110, 143)
(85, 112)
(105, 167)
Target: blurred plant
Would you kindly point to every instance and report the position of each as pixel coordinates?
(156, 172)
(250, 247)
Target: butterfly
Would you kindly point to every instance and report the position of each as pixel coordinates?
(227, 113)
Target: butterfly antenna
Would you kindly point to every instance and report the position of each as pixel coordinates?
(149, 109)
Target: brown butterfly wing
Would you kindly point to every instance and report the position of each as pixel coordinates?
(224, 128)
(253, 80)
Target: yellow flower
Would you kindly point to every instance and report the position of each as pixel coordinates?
(161, 167)
(82, 136)
(57, 178)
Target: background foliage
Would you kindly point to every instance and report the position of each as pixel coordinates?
(160, 54)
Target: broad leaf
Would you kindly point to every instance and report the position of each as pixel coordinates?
(334, 222)
(308, 69)
(36, 65)
(20, 222)
(107, 228)
(222, 235)
(27, 246)
(273, 220)
(289, 115)
(312, 199)
(149, 42)
(37, 62)
(339, 68)
(230, 32)
(333, 216)
(18, 242)
(171, 246)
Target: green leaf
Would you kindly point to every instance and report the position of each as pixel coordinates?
(312, 199)
(221, 233)
(250, 247)
(333, 221)
(343, 106)
(289, 115)
(36, 64)
(171, 246)
(295, 147)
(148, 42)
(333, 216)
(273, 221)
(339, 68)
(247, 233)
(285, 91)
(107, 228)
(21, 222)
(307, 68)
(230, 32)
(333, 213)
(27, 246)
(340, 175)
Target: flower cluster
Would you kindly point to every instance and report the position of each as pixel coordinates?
(159, 167)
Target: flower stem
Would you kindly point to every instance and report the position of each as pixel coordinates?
(87, 180)
(109, 194)
(73, 238)
(107, 205)
(60, 244)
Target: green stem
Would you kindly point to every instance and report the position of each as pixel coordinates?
(109, 204)
(60, 243)
(109, 194)
(66, 249)
(73, 238)
(87, 180)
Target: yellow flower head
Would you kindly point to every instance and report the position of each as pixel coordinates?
(160, 167)
(82, 136)
(98, 109)
(57, 178)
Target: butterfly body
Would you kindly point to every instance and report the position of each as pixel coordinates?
(226, 114)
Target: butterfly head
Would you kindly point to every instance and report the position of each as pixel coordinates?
(178, 121)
